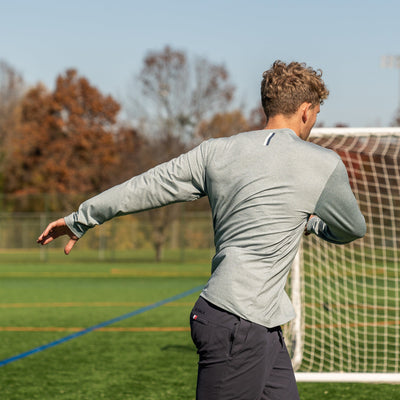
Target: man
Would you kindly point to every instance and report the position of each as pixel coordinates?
(265, 188)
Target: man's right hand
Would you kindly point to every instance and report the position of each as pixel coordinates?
(54, 230)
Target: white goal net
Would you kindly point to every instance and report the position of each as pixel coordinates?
(347, 296)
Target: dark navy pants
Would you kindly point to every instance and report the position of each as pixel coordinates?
(238, 359)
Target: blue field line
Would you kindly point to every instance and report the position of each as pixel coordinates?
(101, 325)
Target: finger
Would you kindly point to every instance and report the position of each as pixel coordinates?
(41, 239)
(69, 246)
(45, 240)
(54, 225)
(48, 229)
(53, 230)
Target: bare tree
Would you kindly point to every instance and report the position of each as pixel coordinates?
(172, 94)
(11, 92)
(170, 98)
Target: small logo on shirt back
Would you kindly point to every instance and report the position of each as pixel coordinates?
(268, 139)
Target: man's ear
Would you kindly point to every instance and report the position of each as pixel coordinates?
(305, 107)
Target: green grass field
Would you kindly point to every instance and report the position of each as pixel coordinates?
(148, 356)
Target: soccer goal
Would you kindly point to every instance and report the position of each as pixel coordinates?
(347, 297)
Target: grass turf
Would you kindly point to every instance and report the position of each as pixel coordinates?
(78, 292)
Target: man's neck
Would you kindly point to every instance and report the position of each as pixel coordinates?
(282, 122)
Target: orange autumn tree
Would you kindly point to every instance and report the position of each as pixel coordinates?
(223, 124)
(65, 143)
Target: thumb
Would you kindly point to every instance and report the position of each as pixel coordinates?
(69, 246)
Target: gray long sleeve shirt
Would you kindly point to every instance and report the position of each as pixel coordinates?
(262, 187)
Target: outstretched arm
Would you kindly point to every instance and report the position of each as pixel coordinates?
(181, 179)
(56, 229)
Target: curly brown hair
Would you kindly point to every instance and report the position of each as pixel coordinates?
(286, 86)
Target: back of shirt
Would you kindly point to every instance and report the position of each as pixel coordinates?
(262, 188)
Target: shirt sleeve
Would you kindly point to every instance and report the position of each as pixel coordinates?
(338, 218)
(181, 179)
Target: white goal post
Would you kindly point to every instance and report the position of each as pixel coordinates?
(347, 297)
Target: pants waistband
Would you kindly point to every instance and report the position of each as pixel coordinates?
(221, 317)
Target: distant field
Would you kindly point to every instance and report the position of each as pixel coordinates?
(148, 356)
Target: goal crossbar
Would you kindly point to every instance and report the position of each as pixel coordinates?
(373, 131)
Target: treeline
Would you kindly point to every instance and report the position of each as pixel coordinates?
(72, 140)
(59, 146)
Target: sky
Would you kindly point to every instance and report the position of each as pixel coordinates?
(106, 41)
